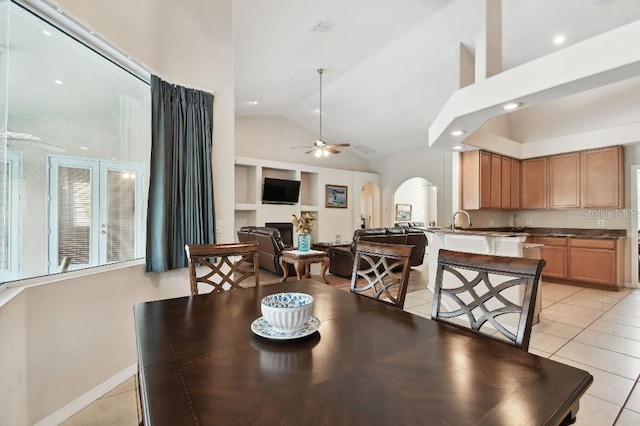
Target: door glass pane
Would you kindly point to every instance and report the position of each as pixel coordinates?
(5, 211)
(74, 215)
(121, 215)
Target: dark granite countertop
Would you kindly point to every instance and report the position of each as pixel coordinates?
(597, 233)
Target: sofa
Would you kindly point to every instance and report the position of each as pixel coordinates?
(342, 258)
(270, 247)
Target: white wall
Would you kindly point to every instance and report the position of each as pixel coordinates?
(61, 340)
(431, 164)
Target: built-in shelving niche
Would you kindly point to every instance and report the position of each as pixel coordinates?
(309, 189)
(246, 188)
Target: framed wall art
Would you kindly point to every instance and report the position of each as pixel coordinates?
(336, 196)
(403, 212)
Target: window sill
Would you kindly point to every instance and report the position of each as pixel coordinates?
(11, 289)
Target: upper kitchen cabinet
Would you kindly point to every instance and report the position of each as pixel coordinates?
(515, 183)
(564, 181)
(505, 184)
(496, 181)
(489, 181)
(602, 177)
(475, 171)
(533, 183)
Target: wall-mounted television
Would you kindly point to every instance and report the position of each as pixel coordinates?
(280, 191)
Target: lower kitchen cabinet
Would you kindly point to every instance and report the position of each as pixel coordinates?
(582, 261)
(596, 261)
(554, 252)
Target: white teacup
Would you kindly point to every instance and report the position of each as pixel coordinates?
(287, 312)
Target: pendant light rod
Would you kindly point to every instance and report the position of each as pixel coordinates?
(320, 71)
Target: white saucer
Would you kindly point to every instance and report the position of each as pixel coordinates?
(263, 329)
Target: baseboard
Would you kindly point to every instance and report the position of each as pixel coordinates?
(85, 400)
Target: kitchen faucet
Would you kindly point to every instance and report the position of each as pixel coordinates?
(453, 219)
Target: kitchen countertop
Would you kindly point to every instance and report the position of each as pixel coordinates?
(482, 232)
(554, 232)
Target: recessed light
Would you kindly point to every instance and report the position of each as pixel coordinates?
(92, 33)
(84, 148)
(458, 132)
(512, 105)
(458, 147)
(47, 33)
(253, 102)
(58, 82)
(130, 58)
(59, 10)
(559, 39)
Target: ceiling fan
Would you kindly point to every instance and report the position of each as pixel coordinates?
(13, 139)
(320, 148)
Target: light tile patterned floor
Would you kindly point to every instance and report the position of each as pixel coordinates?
(596, 330)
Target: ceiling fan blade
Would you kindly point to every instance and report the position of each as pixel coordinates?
(306, 146)
(309, 152)
(331, 150)
(339, 145)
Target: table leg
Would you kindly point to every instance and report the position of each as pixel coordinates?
(299, 267)
(307, 269)
(285, 270)
(325, 266)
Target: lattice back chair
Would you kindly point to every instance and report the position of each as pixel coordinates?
(217, 267)
(487, 294)
(386, 274)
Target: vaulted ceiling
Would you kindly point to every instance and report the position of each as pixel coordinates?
(392, 66)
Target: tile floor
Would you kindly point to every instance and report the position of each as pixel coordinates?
(595, 330)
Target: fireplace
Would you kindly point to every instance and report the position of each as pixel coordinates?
(286, 231)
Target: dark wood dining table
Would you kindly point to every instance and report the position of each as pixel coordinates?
(368, 363)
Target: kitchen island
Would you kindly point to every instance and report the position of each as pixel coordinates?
(496, 243)
(472, 241)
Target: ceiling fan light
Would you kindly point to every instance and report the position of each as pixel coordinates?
(325, 152)
(318, 153)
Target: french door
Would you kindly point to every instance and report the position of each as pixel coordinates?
(95, 212)
(10, 224)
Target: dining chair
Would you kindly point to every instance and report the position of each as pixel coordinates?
(220, 267)
(492, 295)
(385, 276)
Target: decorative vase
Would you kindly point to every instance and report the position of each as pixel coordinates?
(304, 242)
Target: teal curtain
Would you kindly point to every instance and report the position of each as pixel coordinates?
(181, 208)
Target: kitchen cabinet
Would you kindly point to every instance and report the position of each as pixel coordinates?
(533, 183)
(475, 170)
(591, 262)
(564, 181)
(505, 184)
(515, 184)
(496, 181)
(596, 261)
(602, 177)
(489, 181)
(554, 252)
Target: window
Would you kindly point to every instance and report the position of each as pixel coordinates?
(75, 130)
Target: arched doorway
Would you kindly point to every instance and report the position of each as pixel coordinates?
(415, 202)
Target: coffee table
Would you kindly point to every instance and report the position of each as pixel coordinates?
(302, 261)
